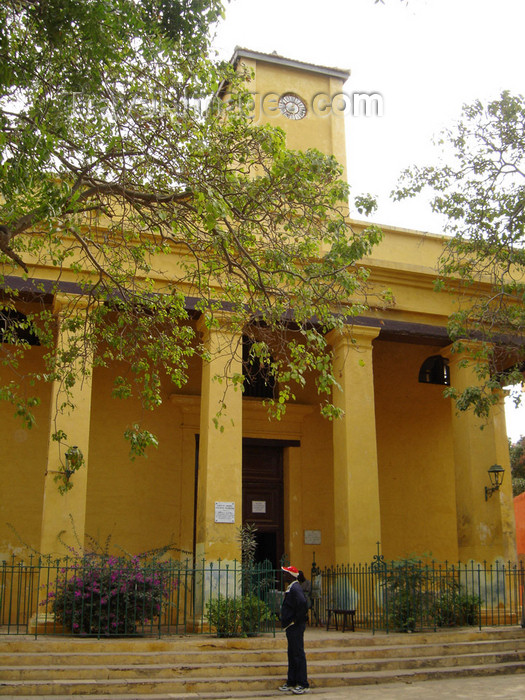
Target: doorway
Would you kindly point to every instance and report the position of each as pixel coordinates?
(266, 547)
(262, 497)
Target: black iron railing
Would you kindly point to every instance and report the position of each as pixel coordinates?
(107, 596)
(412, 595)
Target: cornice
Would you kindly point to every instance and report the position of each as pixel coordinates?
(341, 73)
(256, 420)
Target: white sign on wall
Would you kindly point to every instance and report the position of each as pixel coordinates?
(224, 511)
(312, 536)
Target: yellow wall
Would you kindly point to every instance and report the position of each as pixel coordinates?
(415, 455)
(317, 493)
(139, 503)
(23, 458)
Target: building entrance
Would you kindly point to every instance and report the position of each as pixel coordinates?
(262, 497)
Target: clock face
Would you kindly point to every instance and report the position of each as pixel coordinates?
(292, 106)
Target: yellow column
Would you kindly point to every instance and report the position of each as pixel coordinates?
(64, 515)
(356, 483)
(486, 528)
(293, 507)
(219, 485)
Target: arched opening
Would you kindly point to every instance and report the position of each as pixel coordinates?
(435, 370)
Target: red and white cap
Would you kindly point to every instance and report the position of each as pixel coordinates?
(291, 570)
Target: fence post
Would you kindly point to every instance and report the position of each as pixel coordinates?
(522, 593)
(479, 596)
(378, 567)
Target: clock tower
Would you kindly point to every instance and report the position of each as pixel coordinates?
(307, 101)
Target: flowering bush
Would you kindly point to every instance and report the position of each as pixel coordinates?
(105, 595)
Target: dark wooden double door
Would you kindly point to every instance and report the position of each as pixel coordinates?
(262, 498)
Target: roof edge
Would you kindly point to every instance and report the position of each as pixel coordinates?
(240, 53)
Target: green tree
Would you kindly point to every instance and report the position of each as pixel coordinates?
(517, 465)
(480, 189)
(115, 152)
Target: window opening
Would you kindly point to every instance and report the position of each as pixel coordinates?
(435, 370)
(259, 381)
(14, 327)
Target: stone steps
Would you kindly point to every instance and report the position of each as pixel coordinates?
(315, 653)
(326, 664)
(315, 636)
(210, 667)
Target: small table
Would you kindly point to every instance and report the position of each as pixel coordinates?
(345, 613)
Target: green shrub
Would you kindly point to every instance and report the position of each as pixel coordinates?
(413, 601)
(456, 608)
(405, 593)
(237, 617)
(254, 612)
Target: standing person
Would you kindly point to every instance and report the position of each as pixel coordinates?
(306, 585)
(294, 612)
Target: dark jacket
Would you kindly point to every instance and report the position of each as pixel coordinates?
(294, 607)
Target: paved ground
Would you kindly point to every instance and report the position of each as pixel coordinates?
(503, 687)
(493, 687)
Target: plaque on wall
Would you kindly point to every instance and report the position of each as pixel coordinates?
(224, 511)
(312, 536)
(258, 506)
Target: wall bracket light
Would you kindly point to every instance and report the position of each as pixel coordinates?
(496, 474)
(74, 460)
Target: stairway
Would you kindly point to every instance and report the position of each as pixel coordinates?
(179, 667)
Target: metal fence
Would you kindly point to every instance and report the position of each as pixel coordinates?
(411, 595)
(106, 596)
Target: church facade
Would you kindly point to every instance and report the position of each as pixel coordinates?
(401, 473)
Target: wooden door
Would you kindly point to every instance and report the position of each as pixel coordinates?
(262, 489)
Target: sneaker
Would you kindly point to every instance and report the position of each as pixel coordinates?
(285, 687)
(300, 690)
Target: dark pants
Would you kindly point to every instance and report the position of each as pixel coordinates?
(296, 656)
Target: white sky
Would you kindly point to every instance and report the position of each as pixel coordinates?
(425, 57)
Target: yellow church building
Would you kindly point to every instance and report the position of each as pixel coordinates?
(402, 470)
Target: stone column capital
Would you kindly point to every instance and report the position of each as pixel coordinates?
(220, 322)
(470, 351)
(221, 337)
(354, 335)
(79, 302)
